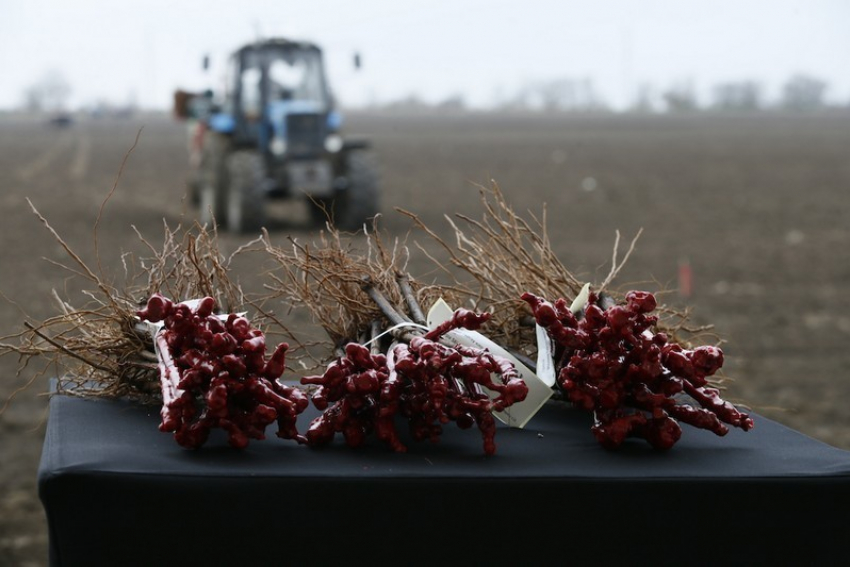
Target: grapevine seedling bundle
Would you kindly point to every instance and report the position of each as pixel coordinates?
(620, 357)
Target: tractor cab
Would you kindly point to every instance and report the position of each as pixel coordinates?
(277, 98)
(276, 134)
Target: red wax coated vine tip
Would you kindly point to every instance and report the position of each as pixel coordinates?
(613, 365)
(214, 373)
(461, 318)
(426, 383)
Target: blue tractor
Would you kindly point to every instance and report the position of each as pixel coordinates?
(276, 133)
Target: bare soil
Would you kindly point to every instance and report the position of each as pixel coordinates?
(756, 205)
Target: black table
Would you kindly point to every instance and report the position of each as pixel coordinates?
(118, 492)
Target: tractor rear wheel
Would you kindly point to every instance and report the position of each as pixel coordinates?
(353, 206)
(246, 198)
(212, 190)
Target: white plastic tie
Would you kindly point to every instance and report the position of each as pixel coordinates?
(395, 328)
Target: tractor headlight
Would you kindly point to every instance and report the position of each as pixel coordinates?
(277, 146)
(333, 143)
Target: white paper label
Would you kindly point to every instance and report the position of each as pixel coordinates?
(539, 392)
(545, 349)
(545, 357)
(581, 299)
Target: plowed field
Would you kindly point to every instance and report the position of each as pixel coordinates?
(757, 206)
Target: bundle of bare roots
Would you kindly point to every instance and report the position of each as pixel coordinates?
(386, 361)
(634, 364)
(94, 345)
(353, 287)
(494, 260)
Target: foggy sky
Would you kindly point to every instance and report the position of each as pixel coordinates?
(484, 50)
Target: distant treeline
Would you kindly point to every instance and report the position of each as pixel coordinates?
(800, 93)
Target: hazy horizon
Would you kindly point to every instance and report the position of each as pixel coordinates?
(484, 53)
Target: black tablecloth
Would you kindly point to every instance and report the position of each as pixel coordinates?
(119, 492)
